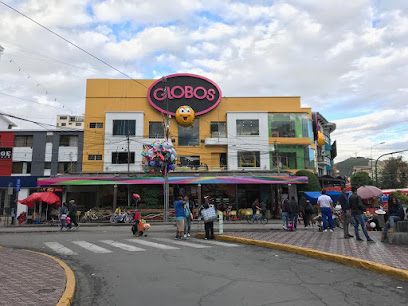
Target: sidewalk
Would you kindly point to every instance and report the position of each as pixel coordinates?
(381, 253)
(29, 278)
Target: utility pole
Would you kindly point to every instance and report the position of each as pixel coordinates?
(128, 147)
(166, 175)
(277, 156)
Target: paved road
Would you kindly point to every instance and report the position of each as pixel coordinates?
(113, 268)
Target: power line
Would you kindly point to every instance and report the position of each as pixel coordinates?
(71, 43)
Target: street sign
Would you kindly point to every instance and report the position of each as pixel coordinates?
(18, 185)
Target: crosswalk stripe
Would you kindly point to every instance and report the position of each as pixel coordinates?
(59, 248)
(91, 247)
(123, 246)
(232, 245)
(183, 243)
(153, 244)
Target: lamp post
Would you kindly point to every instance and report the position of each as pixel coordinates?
(371, 157)
(376, 177)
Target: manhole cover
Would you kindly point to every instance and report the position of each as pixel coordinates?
(45, 290)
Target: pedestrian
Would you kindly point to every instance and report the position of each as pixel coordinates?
(293, 212)
(285, 214)
(255, 207)
(303, 205)
(345, 207)
(13, 215)
(326, 209)
(180, 216)
(357, 209)
(63, 215)
(395, 213)
(188, 218)
(208, 224)
(73, 214)
(263, 209)
(135, 227)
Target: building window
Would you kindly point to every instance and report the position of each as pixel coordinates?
(218, 130)
(63, 124)
(63, 117)
(291, 157)
(122, 157)
(95, 157)
(49, 139)
(23, 141)
(190, 161)
(288, 125)
(156, 130)
(96, 125)
(189, 136)
(67, 167)
(249, 159)
(68, 141)
(21, 168)
(223, 160)
(247, 127)
(124, 127)
(78, 124)
(47, 165)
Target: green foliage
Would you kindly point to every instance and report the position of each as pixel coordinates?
(313, 183)
(360, 179)
(394, 174)
(150, 195)
(402, 197)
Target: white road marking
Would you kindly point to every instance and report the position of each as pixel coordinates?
(153, 244)
(183, 243)
(91, 247)
(59, 248)
(232, 245)
(123, 246)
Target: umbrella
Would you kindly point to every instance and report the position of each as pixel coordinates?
(367, 192)
(47, 197)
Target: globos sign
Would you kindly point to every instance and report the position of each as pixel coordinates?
(198, 92)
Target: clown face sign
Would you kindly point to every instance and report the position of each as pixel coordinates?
(185, 115)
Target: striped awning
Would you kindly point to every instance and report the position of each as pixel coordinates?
(173, 180)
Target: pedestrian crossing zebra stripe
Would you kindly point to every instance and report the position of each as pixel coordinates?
(183, 243)
(122, 246)
(153, 244)
(91, 247)
(230, 245)
(59, 248)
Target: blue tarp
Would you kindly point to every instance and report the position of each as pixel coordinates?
(312, 196)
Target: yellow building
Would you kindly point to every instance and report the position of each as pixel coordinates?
(238, 133)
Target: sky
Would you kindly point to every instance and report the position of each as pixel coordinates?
(347, 60)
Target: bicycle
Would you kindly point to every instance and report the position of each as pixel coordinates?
(258, 219)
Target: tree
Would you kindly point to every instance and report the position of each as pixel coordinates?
(360, 179)
(394, 174)
(313, 183)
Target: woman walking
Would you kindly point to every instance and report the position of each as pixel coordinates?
(188, 217)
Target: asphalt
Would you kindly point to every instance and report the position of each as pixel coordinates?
(44, 281)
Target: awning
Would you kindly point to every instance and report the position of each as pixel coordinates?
(173, 180)
(312, 196)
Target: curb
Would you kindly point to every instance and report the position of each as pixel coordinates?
(68, 295)
(345, 260)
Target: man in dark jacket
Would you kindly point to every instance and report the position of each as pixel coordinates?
(293, 211)
(357, 209)
(209, 226)
(345, 206)
(73, 208)
(395, 213)
(285, 214)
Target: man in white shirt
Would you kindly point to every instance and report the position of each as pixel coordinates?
(326, 208)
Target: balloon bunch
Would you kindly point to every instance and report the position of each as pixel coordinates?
(159, 156)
